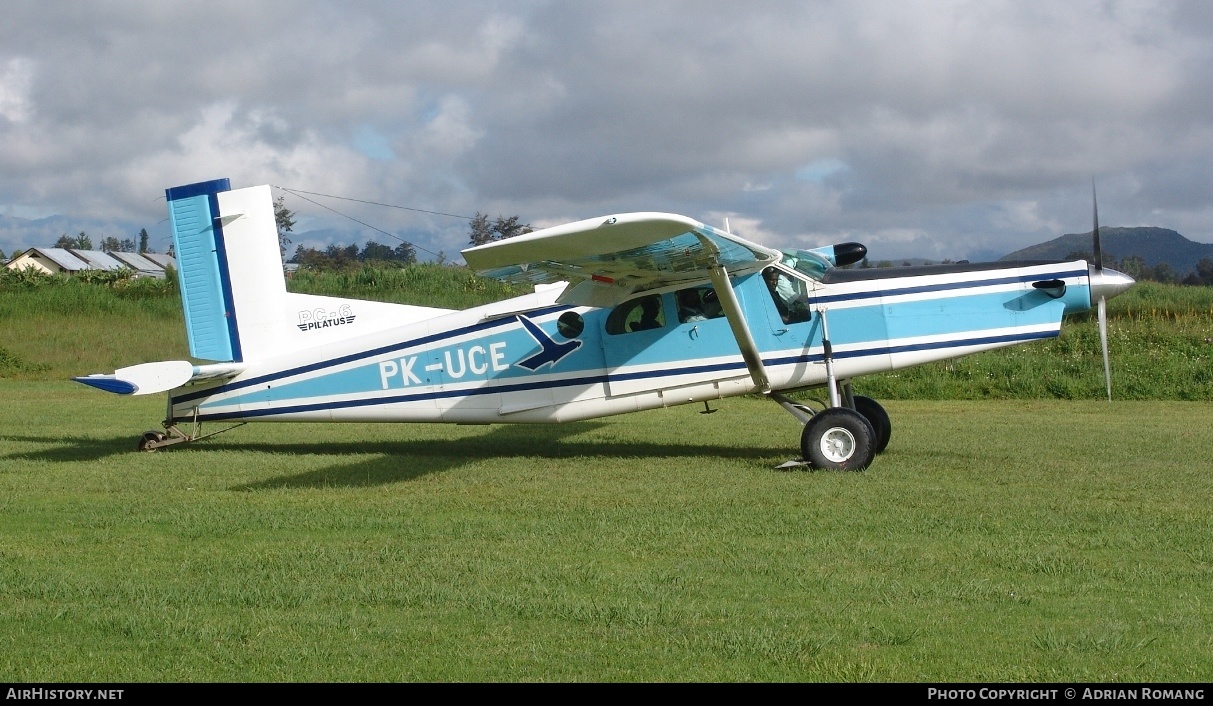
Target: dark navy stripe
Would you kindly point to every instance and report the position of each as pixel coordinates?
(109, 384)
(199, 189)
(320, 406)
(482, 326)
(594, 379)
(689, 370)
(225, 280)
(945, 286)
(910, 347)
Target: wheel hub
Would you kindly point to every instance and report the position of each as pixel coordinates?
(837, 444)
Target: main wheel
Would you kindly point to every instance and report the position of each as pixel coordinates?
(877, 417)
(838, 439)
(148, 442)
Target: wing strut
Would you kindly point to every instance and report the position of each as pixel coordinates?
(737, 322)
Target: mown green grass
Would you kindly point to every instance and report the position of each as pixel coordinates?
(1017, 541)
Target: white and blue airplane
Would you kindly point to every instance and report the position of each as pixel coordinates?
(629, 312)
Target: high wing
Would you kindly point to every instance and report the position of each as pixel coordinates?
(608, 260)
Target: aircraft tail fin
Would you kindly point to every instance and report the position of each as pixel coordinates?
(231, 279)
(201, 253)
(233, 290)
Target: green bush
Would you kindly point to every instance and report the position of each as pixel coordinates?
(422, 284)
(12, 366)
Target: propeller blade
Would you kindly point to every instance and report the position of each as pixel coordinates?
(1098, 253)
(1103, 343)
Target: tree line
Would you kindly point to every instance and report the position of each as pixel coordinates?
(338, 257)
(1135, 266)
(83, 241)
(481, 230)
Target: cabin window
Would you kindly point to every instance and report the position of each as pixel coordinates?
(811, 264)
(698, 304)
(570, 324)
(790, 295)
(639, 314)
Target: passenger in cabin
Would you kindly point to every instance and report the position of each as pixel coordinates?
(639, 314)
(650, 312)
(690, 308)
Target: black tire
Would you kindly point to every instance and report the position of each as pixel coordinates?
(148, 442)
(838, 439)
(878, 418)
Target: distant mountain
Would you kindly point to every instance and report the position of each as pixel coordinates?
(1152, 245)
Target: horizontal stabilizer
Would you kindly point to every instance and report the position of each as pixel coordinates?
(150, 378)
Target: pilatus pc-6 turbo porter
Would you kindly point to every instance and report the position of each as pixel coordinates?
(629, 312)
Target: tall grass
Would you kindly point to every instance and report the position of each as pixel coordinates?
(1160, 339)
(1161, 336)
(423, 284)
(57, 327)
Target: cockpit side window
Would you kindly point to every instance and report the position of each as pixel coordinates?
(790, 295)
(697, 304)
(810, 264)
(639, 314)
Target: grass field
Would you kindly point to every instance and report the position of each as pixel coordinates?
(1009, 541)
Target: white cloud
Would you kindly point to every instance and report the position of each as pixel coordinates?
(224, 142)
(961, 125)
(449, 132)
(16, 78)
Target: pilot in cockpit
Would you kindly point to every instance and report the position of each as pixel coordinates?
(789, 300)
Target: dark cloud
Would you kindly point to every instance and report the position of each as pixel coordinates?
(946, 129)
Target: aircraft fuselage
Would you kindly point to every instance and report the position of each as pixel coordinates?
(513, 362)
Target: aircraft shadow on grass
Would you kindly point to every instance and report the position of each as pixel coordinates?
(402, 461)
(68, 450)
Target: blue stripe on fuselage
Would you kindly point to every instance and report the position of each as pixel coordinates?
(403, 345)
(473, 361)
(945, 286)
(598, 379)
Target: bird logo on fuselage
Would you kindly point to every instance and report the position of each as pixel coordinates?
(551, 352)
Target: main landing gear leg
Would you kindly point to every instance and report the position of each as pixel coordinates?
(840, 437)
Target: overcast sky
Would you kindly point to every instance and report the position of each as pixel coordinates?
(922, 129)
